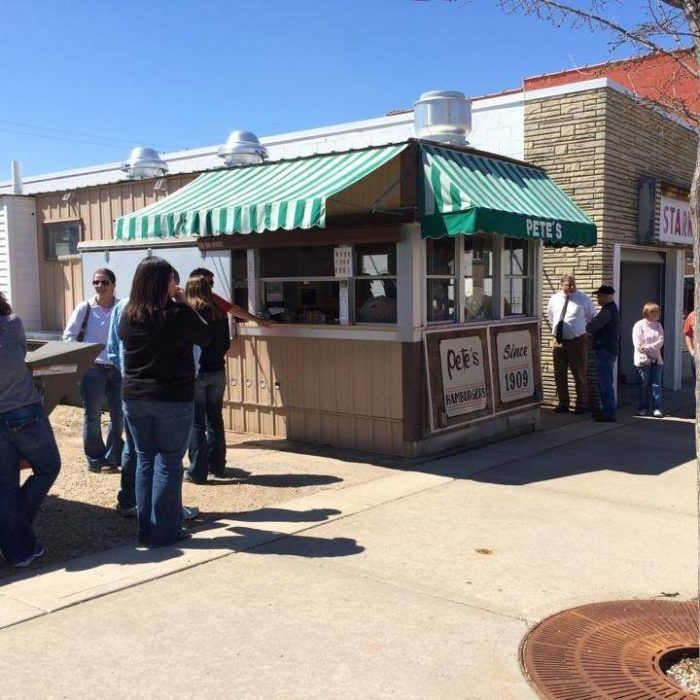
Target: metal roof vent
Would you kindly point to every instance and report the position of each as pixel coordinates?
(242, 148)
(144, 163)
(444, 116)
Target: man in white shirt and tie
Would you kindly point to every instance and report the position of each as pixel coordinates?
(568, 311)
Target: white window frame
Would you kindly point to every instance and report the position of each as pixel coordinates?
(256, 288)
(499, 278)
(531, 262)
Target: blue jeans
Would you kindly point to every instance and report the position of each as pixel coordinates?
(127, 488)
(161, 432)
(102, 382)
(650, 389)
(208, 443)
(604, 365)
(24, 433)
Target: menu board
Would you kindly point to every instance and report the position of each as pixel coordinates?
(342, 261)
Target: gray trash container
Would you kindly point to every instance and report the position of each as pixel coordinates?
(58, 366)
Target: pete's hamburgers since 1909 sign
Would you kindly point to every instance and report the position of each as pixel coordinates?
(516, 375)
(463, 380)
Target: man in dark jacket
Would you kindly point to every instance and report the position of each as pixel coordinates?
(605, 332)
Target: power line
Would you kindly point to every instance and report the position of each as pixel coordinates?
(61, 138)
(166, 147)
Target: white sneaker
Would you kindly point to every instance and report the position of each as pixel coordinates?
(189, 512)
(642, 413)
(657, 413)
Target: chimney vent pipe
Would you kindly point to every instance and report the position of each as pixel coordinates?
(16, 177)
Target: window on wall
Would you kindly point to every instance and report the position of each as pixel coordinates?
(518, 282)
(496, 273)
(478, 277)
(61, 238)
(375, 283)
(441, 266)
(299, 285)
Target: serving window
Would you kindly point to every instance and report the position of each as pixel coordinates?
(299, 285)
(494, 275)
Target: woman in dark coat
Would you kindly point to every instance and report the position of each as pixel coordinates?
(158, 333)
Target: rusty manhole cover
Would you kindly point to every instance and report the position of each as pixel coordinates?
(612, 651)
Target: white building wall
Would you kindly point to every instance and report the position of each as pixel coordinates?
(4, 252)
(123, 260)
(22, 259)
(498, 127)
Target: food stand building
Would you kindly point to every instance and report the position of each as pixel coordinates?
(403, 282)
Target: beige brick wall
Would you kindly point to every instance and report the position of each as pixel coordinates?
(595, 145)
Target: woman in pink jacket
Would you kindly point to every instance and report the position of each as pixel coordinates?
(648, 339)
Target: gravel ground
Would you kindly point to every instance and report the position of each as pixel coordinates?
(686, 673)
(79, 517)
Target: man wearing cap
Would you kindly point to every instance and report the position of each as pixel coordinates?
(605, 332)
(568, 311)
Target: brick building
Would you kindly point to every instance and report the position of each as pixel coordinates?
(629, 166)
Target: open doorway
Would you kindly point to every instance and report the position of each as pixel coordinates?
(641, 280)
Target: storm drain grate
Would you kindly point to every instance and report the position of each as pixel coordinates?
(611, 651)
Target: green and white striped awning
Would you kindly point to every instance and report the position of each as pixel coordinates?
(281, 195)
(464, 193)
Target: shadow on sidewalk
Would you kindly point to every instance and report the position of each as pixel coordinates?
(277, 480)
(645, 446)
(282, 515)
(242, 539)
(254, 541)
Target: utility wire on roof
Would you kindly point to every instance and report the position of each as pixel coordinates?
(165, 147)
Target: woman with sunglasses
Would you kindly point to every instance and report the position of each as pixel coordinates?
(89, 323)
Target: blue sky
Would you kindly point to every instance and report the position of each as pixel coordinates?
(183, 74)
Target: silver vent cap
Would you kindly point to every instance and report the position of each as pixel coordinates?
(242, 148)
(144, 163)
(444, 116)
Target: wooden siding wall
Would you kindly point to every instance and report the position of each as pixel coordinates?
(342, 392)
(61, 291)
(382, 187)
(96, 208)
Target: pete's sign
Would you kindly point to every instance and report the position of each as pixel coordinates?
(463, 380)
(542, 228)
(675, 226)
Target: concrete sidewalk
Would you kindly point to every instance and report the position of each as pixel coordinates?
(420, 584)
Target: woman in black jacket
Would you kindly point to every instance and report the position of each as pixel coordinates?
(158, 334)
(208, 442)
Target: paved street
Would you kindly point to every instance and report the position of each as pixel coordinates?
(417, 584)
